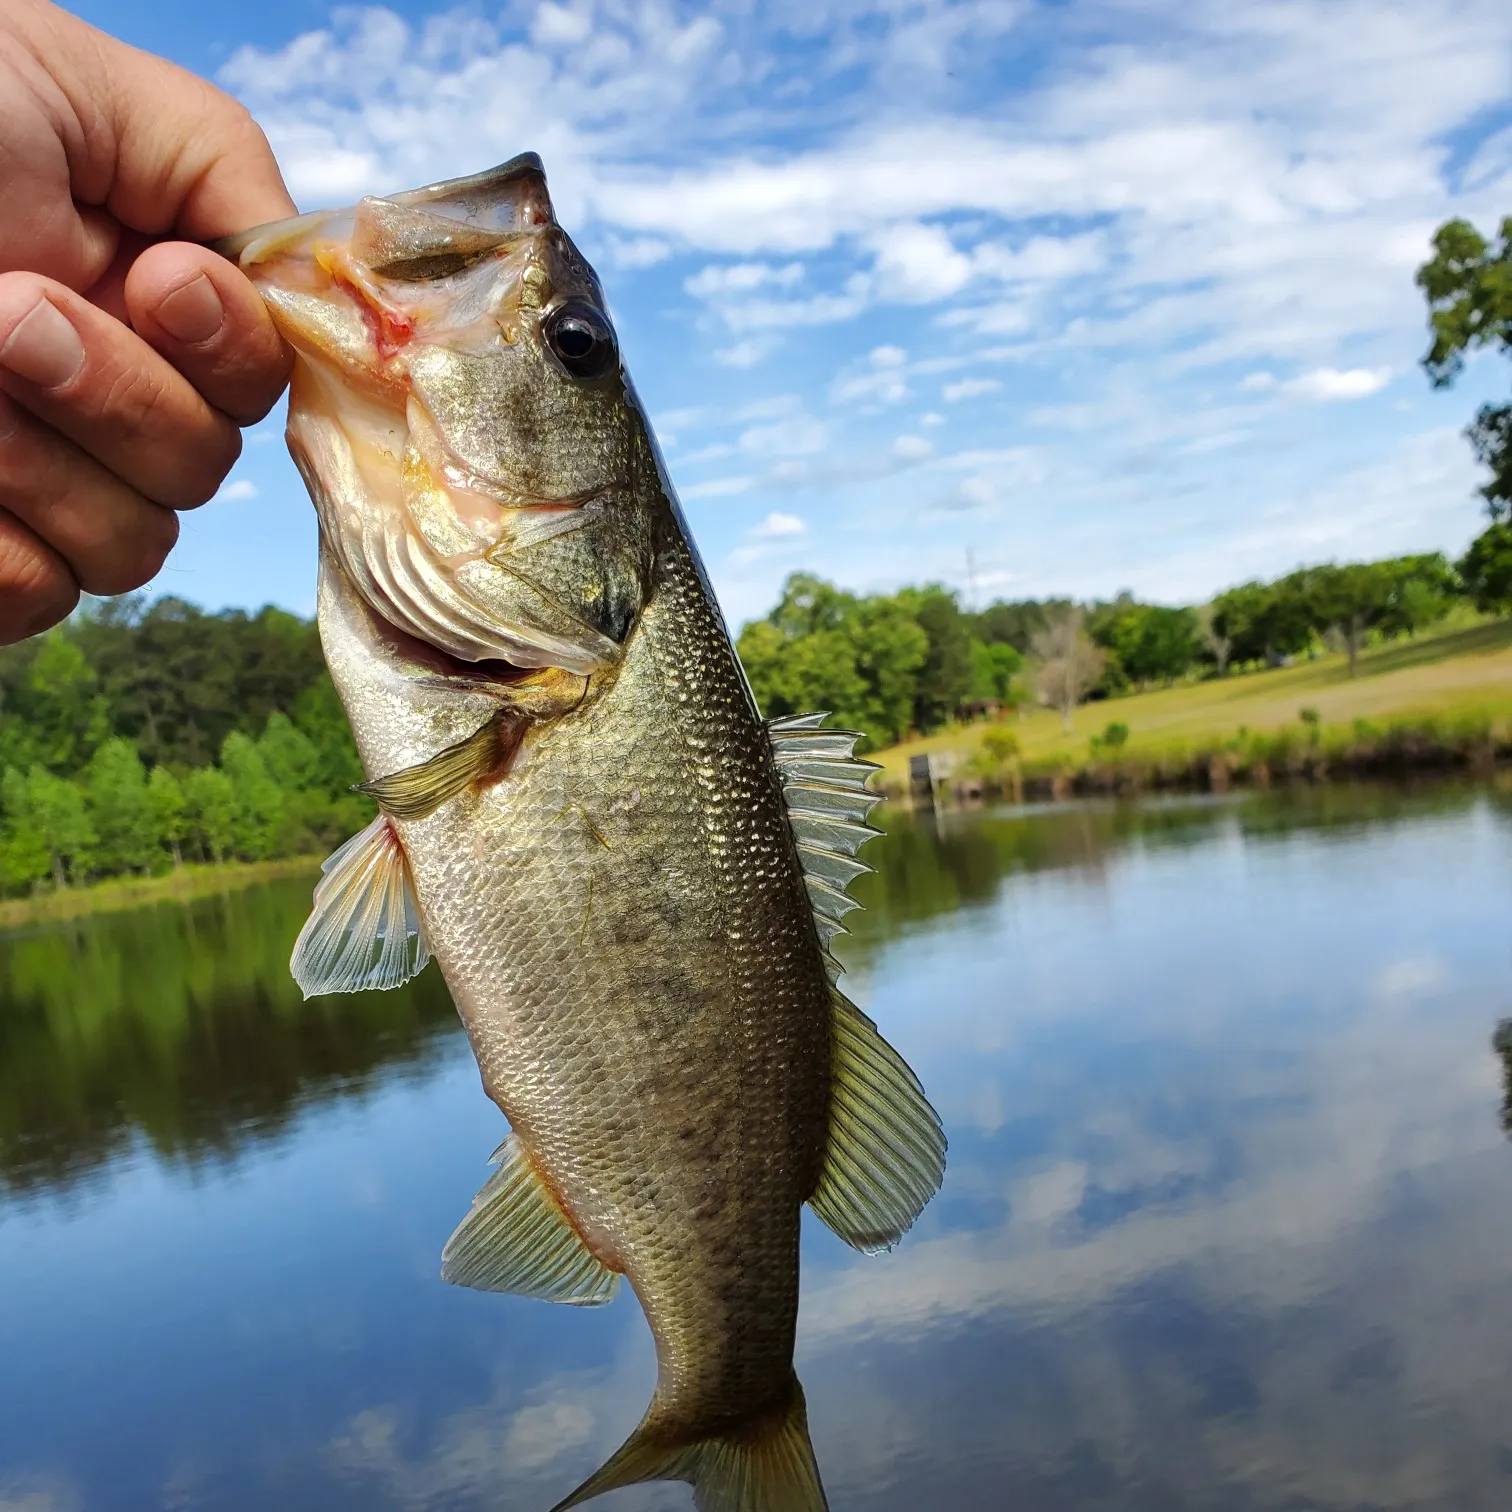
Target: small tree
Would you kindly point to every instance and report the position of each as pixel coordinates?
(1350, 599)
(210, 812)
(126, 836)
(1212, 627)
(1069, 663)
(56, 809)
(259, 802)
(166, 799)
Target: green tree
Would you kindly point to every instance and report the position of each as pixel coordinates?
(1264, 621)
(944, 678)
(1422, 590)
(165, 797)
(1351, 599)
(24, 855)
(289, 755)
(56, 712)
(210, 812)
(994, 666)
(1468, 285)
(55, 808)
(259, 803)
(120, 812)
(1486, 569)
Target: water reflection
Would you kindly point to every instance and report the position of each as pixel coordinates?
(1228, 1221)
(180, 1024)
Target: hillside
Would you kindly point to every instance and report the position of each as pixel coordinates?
(1465, 672)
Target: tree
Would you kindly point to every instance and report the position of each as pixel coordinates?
(1486, 569)
(1421, 590)
(944, 679)
(288, 754)
(55, 808)
(1151, 642)
(165, 797)
(57, 715)
(259, 803)
(210, 812)
(994, 666)
(1069, 663)
(1350, 599)
(1210, 625)
(126, 836)
(1468, 285)
(1264, 621)
(24, 855)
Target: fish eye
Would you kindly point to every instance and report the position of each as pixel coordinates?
(581, 339)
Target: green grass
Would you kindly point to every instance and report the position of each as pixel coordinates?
(185, 883)
(1458, 674)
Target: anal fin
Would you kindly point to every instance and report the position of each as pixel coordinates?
(886, 1153)
(364, 930)
(518, 1239)
(422, 789)
(764, 1464)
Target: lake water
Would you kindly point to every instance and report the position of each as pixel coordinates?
(1227, 1225)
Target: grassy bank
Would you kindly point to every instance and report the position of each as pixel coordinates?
(185, 883)
(1444, 700)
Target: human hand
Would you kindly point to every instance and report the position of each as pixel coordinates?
(127, 358)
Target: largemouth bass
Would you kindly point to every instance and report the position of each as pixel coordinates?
(629, 881)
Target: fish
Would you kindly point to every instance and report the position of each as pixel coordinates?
(631, 882)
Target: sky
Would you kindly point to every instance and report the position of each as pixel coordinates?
(1028, 297)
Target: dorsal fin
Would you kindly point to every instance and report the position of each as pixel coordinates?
(827, 802)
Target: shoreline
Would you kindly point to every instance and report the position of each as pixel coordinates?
(118, 894)
(1402, 750)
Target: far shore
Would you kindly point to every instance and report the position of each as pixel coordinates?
(181, 885)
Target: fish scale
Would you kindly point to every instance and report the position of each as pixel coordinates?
(628, 879)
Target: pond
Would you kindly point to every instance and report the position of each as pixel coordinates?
(1227, 1224)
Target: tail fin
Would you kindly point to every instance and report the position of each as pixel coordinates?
(765, 1464)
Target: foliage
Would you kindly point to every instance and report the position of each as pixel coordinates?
(1468, 285)
(110, 727)
(1486, 569)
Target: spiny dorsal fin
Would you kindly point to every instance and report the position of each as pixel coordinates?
(420, 790)
(364, 930)
(827, 801)
(763, 1464)
(886, 1154)
(518, 1239)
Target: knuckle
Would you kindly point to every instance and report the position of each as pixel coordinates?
(36, 589)
(130, 562)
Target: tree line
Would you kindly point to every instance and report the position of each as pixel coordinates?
(136, 737)
(139, 736)
(911, 662)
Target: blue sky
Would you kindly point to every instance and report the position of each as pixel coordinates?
(1090, 295)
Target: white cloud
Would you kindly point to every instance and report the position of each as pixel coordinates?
(778, 526)
(969, 388)
(1258, 382)
(741, 278)
(918, 263)
(797, 436)
(237, 489)
(1324, 384)
(911, 448)
(932, 417)
(747, 353)
(887, 357)
(718, 488)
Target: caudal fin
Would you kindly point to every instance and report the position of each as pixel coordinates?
(765, 1464)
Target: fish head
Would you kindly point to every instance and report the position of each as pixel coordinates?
(462, 419)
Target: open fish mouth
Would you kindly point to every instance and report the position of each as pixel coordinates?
(459, 416)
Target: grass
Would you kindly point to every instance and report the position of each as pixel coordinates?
(1460, 674)
(118, 893)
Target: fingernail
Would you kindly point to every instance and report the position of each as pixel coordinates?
(193, 313)
(44, 348)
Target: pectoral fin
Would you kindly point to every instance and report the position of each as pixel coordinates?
(886, 1154)
(421, 790)
(518, 1239)
(364, 930)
